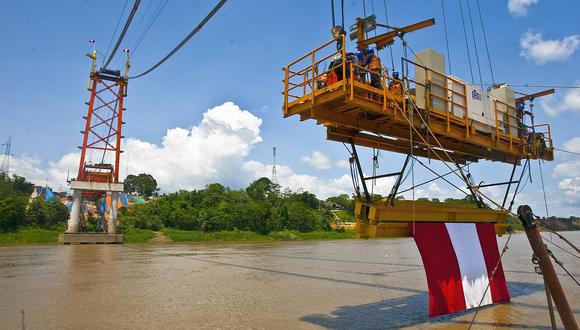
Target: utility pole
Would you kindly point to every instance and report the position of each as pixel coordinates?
(5, 169)
(274, 174)
(551, 279)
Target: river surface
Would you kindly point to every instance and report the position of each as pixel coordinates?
(343, 284)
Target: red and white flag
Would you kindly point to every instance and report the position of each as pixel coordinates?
(459, 259)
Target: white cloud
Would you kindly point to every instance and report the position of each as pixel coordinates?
(342, 164)
(536, 48)
(569, 172)
(554, 105)
(520, 7)
(213, 151)
(318, 160)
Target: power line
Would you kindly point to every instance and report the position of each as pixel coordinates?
(122, 35)
(184, 41)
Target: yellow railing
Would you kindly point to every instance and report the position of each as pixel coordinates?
(301, 77)
(536, 145)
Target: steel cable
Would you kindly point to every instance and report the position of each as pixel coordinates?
(184, 41)
(122, 35)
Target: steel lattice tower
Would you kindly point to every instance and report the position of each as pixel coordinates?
(274, 174)
(6, 161)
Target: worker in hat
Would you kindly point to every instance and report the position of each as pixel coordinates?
(395, 86)
(373, 63)
(337, 33)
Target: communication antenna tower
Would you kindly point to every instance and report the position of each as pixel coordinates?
(274, 174)
(5, 169)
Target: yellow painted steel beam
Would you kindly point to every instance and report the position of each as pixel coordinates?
(378, 219)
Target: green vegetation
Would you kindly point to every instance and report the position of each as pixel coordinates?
(30, 236)
(238, 235)
(260, 208)
(143, 184)
(345, 215)
(135, 235)
(17, 213)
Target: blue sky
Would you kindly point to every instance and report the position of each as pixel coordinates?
(238, 58)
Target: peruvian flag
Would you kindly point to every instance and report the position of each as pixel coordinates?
(459, 259)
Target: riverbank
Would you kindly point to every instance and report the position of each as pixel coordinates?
(166, 235)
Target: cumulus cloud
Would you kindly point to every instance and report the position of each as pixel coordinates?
(554, 105)
(212, 151)
(342, 164)
(534, 47)
(318, 160)
(520, 7)
(569, 170)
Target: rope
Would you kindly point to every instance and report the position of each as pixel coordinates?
(466, 42)
(446, 37)
(485, 41)
(561, 264)
(184, 41)
(122, 35)
(561, 248)
(568, 151)
(505, 248)
(543, 187)
(115, 32)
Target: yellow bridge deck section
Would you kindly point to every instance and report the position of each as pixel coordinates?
(355, 112)
(378, 219)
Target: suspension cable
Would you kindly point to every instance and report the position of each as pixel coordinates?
(342, 13)
(446, 36)
(474, 44)
(364, 8)
(140, 22)
(122, 35)
(115, 31)
(485, 41)
(332, 11)
(156, 14)
(466, 42)
(184, 41)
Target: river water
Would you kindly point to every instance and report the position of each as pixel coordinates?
(343, 284)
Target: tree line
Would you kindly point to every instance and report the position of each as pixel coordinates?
(261, 207)
(17, 211)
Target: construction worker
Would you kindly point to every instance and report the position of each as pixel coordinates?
(323, 81)
(337, 33)
(395, 86)
(373, 63)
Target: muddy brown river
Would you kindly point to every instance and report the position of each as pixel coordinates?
(343, 284)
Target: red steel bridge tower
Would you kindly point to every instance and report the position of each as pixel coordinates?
(98, 173)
